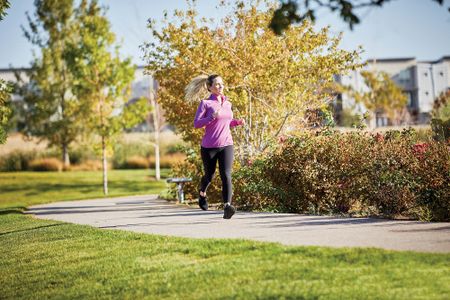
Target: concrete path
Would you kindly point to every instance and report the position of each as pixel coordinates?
(147, 214)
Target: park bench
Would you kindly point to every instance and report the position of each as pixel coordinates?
(180, 183)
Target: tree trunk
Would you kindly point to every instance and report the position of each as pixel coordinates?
(155, 113)
(105, 168)
(157, 163)
(156, 125)
(65, 156)
(373, 120)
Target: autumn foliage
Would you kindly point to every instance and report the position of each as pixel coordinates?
(390, 175)
(272, 80)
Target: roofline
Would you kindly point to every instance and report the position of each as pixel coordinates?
(14, 69)
(404, 59)
(400, 59)
(445, 57)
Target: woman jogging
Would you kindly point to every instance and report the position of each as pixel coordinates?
(214, 113)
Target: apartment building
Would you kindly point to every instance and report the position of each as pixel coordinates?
(421, 81)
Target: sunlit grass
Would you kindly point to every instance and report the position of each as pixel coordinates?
(44, 259)
(48, 259)
(21, 189)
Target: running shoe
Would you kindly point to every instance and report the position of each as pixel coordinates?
(202, 202)
(228, 211)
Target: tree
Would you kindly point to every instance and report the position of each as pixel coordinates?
(4, 5)
(155, 121)
(158, 121)
(440, 122)
(271, 80)
(5, 89)
(5, 109)
(51, 110)
(106, 79)
(383, 95)
(441, 106)
(288, 12)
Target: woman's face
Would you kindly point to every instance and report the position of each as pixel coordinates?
(217, 86)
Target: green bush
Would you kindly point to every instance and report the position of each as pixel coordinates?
(81, 153)
(124, 151)
(315, 174)
(252, 191)
(386, 175)
(17, 161)
(433, 181)
(174, 149)
(392, 174)
(389, 175)
(441, 129)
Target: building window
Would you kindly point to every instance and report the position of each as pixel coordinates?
(404, 75)
(425, 74)
(441, 73)
(426, 93)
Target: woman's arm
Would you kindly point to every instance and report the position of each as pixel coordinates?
(201, 119)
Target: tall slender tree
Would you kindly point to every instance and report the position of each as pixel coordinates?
(156, 117)
(5, 89)
(106, 79)
(51, 110)
(5, 110)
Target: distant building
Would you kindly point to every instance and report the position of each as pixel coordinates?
(421, 81)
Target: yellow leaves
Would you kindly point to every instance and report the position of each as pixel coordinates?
(383, 95)
(268, 76)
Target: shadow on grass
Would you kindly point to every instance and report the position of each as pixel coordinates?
(12, 210)
(30, 229)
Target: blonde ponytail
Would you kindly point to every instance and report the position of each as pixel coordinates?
(197, 89)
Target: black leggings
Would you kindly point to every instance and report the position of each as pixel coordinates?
(224, 155)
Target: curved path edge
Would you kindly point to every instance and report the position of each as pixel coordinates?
(148, 214)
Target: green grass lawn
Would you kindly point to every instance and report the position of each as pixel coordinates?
(21, 189)
(48, 259)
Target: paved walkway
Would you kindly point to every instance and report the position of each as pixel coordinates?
(147, 214)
